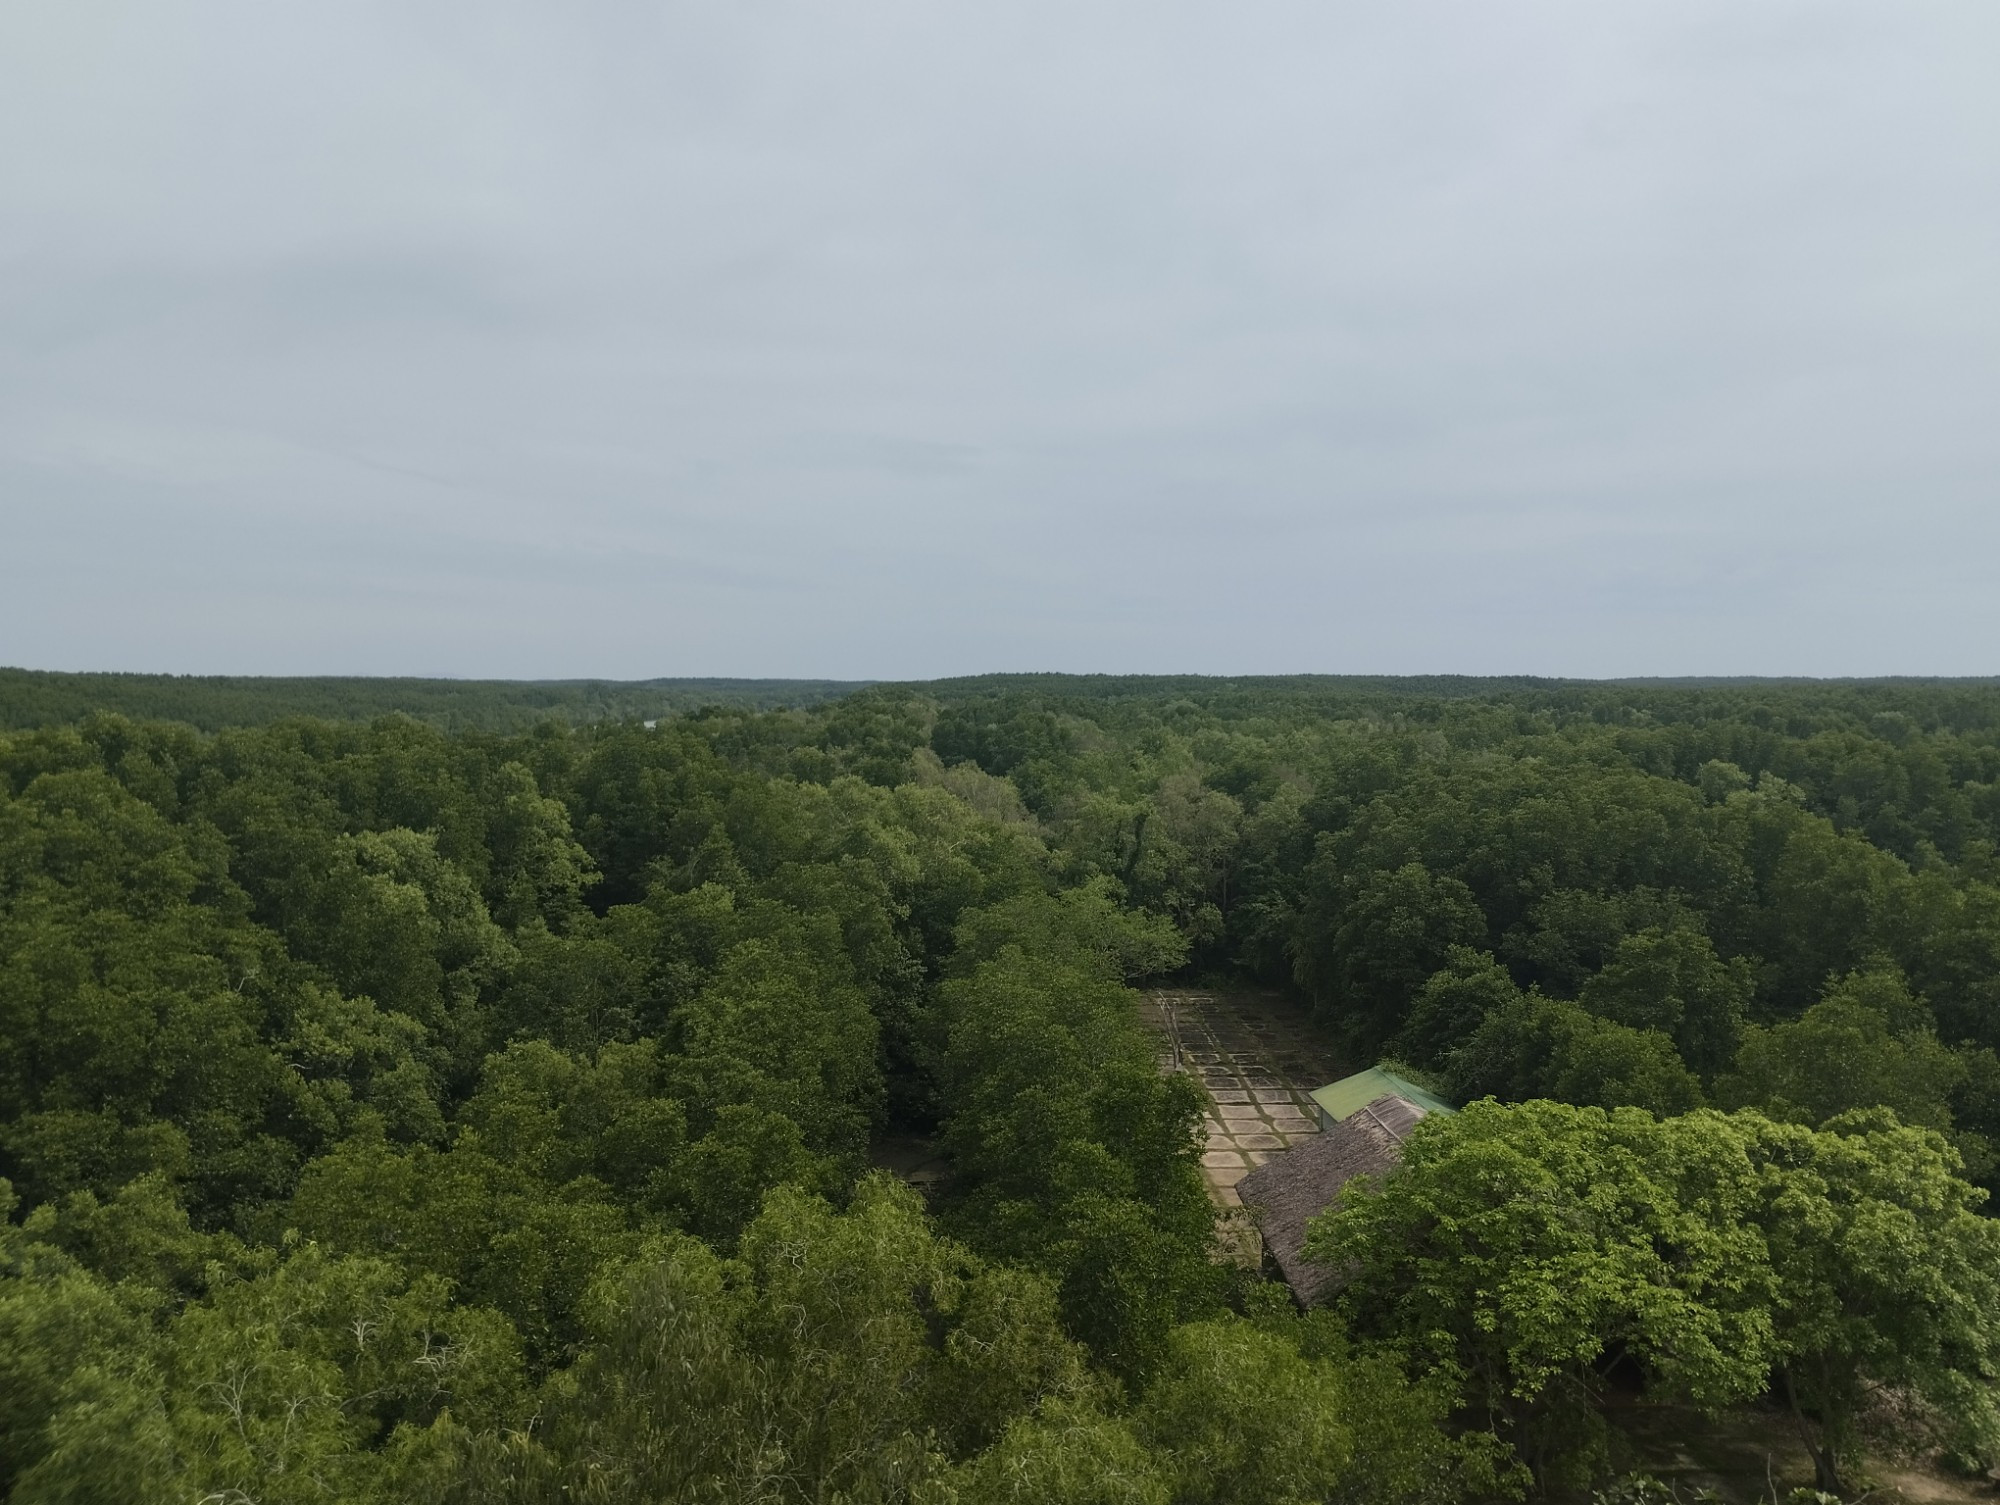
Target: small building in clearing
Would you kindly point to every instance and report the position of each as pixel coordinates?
(1359, 1136)
(1341, 1100)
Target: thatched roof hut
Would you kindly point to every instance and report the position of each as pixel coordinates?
(1289, 1190)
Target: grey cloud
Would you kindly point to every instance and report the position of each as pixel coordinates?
(893, 339)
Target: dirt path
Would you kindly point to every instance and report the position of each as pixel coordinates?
(1752, 1454)
(1258, 1059)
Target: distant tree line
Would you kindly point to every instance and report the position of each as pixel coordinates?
(32, 698)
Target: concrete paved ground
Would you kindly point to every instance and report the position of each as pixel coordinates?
(1258, 1058)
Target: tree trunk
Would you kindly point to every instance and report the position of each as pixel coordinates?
(1819, 1443)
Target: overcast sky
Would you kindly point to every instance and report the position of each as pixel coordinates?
(893, 340)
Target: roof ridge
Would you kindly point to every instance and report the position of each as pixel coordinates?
(1369, 1109)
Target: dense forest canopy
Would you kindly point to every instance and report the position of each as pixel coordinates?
(477, 1102)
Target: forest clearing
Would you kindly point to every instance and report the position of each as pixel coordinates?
(1258, 1061)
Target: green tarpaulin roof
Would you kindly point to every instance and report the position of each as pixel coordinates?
(1348, 1096)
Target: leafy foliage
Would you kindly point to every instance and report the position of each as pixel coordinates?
(1519, 1247)
(478, 1102)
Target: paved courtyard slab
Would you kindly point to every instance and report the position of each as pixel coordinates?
(1258, 1058)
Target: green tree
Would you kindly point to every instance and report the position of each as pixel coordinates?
(1394, 932)
(1516, 1246)
(70, 1345)
(1545, 1047)
(538, 869)
(1672, 981)
(1066, 1454)
(1866, 1043)
(1243, 1416)
(1071, 1152)
(133, 1001)
(1188, 848)
(1886, 1276)
(1453, 1003)
(280, 1384)
(834, 1360)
